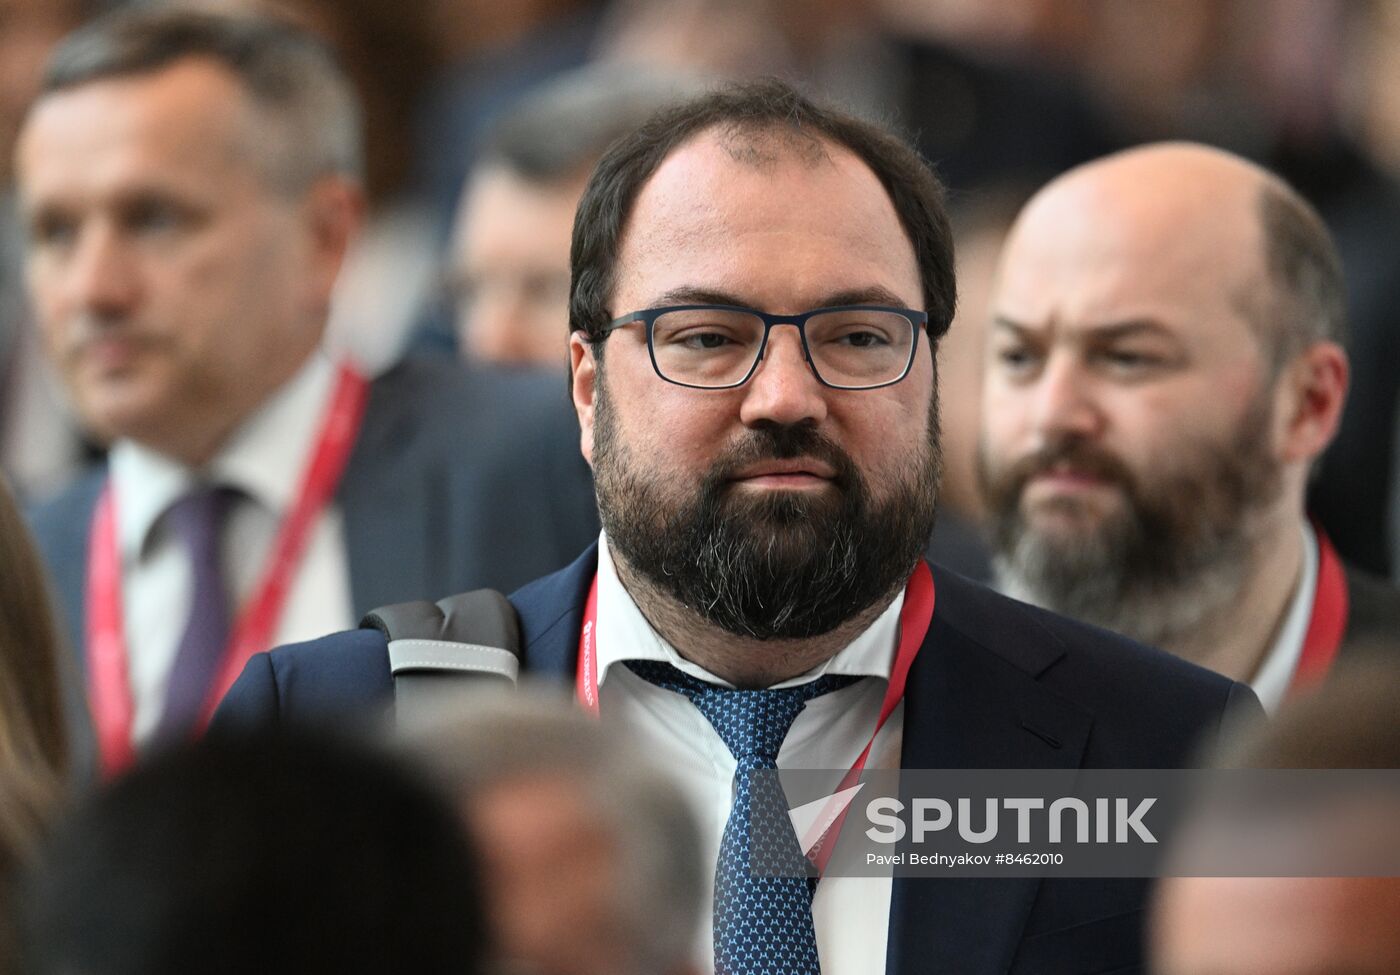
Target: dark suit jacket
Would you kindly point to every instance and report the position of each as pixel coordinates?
(458, 480)
(998, 684)
(1373, 617)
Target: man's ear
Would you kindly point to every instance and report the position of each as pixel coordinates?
(1312, 391)
(334, 212)
(583, 384)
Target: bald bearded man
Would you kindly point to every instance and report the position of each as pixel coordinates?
(1167, 362)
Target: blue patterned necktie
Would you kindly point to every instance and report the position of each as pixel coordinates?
(197, 520)
(762, 924)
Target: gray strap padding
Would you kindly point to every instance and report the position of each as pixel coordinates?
(446, 655)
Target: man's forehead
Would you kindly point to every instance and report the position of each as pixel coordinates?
(786, 202)
(1096, 246)
(190, 109)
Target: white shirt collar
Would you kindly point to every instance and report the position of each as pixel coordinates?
(623, 633)
(264, 459)
(1270, 682)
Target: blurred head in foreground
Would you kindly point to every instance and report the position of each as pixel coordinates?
(1300, 925)
(589, 852)
(265, 854)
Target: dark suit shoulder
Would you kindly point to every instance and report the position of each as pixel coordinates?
(60, 525)
(318, 680)
(70, 510)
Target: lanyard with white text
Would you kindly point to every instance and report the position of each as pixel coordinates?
(1331, 606)
(914, 619)
(109, 678)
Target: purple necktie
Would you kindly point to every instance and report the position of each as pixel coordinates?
(197, 520)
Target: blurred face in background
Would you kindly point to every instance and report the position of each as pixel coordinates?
(1128, 411)
(175, 283)
(510, 269)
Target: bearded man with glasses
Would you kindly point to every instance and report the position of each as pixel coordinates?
(758, 288)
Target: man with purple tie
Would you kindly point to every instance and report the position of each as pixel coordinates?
(190, 183)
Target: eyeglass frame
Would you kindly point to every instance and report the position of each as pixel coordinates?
(648, 316)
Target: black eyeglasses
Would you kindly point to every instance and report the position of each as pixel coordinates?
(720, 346)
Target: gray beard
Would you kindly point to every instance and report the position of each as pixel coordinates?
(1090, 585)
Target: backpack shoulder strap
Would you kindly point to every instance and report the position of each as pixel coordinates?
(439, 648)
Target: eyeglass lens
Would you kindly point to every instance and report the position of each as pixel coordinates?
(715, 347)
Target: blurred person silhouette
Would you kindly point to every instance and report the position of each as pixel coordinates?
(490, 55)
(509, 261)
(1298, 925)
(33, 735)
(1166, 364)
(40, 447)
(33, 731)
(258, 854)
(983, 115)
(190, 182)
(589, 852)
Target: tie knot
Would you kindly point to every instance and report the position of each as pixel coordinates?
(752, 723)
(197, 515)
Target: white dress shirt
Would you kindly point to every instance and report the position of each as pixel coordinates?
(1270, 682)
(850, 914)
(265, 460)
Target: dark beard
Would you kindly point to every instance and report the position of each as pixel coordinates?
(781, 565)
(1177, 553)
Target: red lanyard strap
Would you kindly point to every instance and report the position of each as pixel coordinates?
(914, 619)
(109, 678)
(1328, 624)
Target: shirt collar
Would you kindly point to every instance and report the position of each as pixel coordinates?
(257, 459)
(624, 634)
(1270, 682)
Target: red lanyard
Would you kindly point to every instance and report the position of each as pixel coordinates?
(109, 679)
(1329, 618)
(914, 619)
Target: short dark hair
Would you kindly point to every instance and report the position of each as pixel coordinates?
(1307, 294)
(755, 108)
(270, 853)
(289, 75)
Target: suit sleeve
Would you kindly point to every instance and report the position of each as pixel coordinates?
(253, 700)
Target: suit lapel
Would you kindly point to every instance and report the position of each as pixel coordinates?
(551, 617)
(976, 703)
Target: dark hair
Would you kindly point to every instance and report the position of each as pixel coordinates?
(289, 75)
(270, 853)
(558, 131)
(756, 108)
(33, 733)
(1307, 301)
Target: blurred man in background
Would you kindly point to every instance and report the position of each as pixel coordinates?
(190, 184)
(1167, 362)
(509, 274)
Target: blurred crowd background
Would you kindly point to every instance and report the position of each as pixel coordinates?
(469, 209)
(483, 120)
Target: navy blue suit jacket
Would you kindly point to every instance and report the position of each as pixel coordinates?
(458, 480)
(998, 684)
